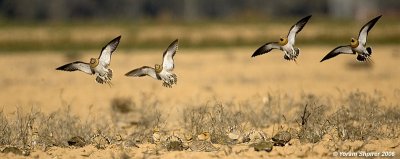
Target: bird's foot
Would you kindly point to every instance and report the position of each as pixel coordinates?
(174, 79)
(103, 80)
(165, 84)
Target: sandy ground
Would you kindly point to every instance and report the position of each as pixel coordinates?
(30, 80)
(320, 150)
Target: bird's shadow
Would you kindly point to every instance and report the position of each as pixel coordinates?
(356, 65)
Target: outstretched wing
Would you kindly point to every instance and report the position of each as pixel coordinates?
(297, 28)
(168, 56)
(143, 71)
(77, 65)
(106, 52)
(362, 35)
(338, 50)
(266, 48)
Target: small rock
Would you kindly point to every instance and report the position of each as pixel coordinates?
(174, 146)
(130, 143)
(76, 141)
(281, 138)
(100, 141)
(174, 143)
(206, 146)
(263, 146)
(16, 151)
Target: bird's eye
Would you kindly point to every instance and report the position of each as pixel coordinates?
(281, 39)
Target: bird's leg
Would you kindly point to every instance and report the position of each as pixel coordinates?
(294, 53)
(109, 83)
(295, 61)
(285, 56)
(368, 59)
(106, 77)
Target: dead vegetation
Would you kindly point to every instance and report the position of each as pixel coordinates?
(215, 118)
(35, 130)
(356, 116)
(137, 120)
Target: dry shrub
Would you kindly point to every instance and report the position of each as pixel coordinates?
(312, 117)
(148, 113)
(363, 117)
(357, 116)
(213, 118)
(313, 124)
(34, 128)
(271, 109)
(17, 131)
(5, 130)
(58, 127)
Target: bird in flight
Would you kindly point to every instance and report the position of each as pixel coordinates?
(96, 66)
(286, 44)
(160, 72)
(357, 46)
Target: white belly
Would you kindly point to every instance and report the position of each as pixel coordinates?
(360, 49)
(100, 71)
(168, 77)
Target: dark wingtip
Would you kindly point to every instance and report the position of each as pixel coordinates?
(118, 38)
(376, 18)
(62, 68)
(128, 73)
(259, 51)
(306, 18)
(176, 41)
(325, 58)
(256, 53)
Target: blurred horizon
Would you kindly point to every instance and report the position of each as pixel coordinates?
(190, 10)
(35, 25)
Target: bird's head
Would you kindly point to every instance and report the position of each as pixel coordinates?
(353, 43)
(93, 62)
(283, 41)
(158, 68)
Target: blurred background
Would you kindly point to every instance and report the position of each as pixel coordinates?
(216, 36)
(29, 25)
